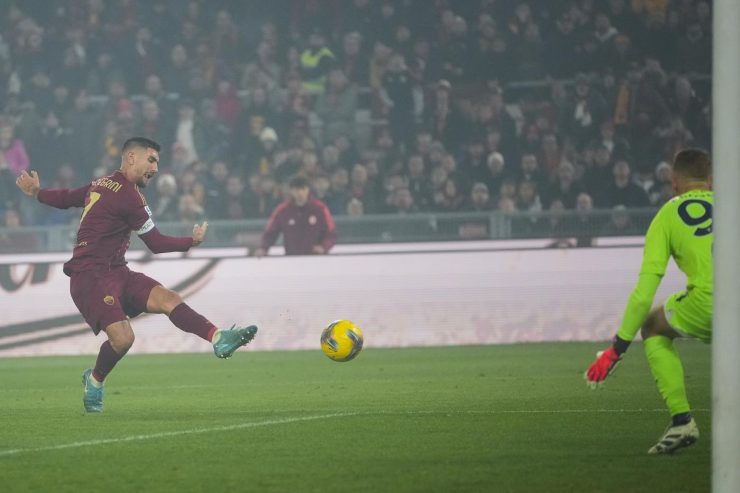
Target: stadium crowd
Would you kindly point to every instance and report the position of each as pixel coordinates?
(385, 106)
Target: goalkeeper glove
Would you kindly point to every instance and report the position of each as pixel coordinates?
(606, 362)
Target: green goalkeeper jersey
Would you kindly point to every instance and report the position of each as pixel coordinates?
(682, 228)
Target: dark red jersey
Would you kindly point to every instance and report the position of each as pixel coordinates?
(113, 208)
(302, 227)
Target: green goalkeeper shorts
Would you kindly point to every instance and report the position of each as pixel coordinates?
(690, 314)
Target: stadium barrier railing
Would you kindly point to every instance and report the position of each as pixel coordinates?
(576, 227)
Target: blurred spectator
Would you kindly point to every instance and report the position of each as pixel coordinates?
(177, 72)
(402, 202)
(693, 48)
(648, 111)
(267, 195)
(188, 131)
(418, 182)
(352, 61)
(584, 224)
(316, 61)
(397, 96)
(84, 123)
(235, 205)
(443, 118)
(585, 112)
(48, 145)
(450, 198)
(216, 199)
(189, 210)
(661, 190)
(456, 53)
(623, 190)
(216, 136)
(529, 53)
(618, 147)
(563, 39)
(337, 105)
(338, 194)
(355, 208)
(263, 70)
(480, 198)
(497, 171)
(305, 223)
(154, 125)
(228, 104)
(619, 223)
(13, 155)
(599, 175)
(528, 197)
(555, 222)
(565, 188)
(266, 153)
(529, 171)
(685, 103)
(167, 207)
(359, 188)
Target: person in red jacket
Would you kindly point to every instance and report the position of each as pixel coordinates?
(305, 223)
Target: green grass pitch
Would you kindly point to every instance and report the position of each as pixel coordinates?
(486, 418)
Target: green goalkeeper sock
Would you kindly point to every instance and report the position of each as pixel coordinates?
(668, 372)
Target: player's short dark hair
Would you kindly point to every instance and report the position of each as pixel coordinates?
(298, 181)
(693, 163)
(134, 142)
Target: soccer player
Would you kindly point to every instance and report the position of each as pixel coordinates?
(103, 288)
(682, 228)
(305, 222)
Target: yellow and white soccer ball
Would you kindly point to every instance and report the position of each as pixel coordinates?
(341, 340)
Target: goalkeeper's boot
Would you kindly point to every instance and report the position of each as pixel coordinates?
(676, 437)
(225, 342)
(93, 396)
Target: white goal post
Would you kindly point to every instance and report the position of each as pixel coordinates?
(726, 337)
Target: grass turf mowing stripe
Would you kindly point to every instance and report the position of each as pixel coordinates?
(165, 434)
(152, 436)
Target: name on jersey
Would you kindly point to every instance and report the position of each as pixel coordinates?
(107, 183)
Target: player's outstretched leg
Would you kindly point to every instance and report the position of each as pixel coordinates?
(225, 342)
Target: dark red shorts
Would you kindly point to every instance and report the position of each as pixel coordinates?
(106, 297)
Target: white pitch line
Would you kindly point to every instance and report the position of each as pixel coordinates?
(152, 436)
(541, 411)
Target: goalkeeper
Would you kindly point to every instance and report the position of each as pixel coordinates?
(682, 228)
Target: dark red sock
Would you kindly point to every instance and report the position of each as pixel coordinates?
(188, 320)
(107, 359)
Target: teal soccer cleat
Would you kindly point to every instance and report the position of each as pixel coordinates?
(225, 342)
(93, 396)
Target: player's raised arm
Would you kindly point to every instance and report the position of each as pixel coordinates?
(61, 198)
(159, 243)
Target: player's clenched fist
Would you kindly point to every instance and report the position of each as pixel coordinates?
(29, 184)
(199, 233)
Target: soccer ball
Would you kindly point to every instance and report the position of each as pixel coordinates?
(341, 340)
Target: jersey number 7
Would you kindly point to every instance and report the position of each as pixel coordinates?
(92, 198)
